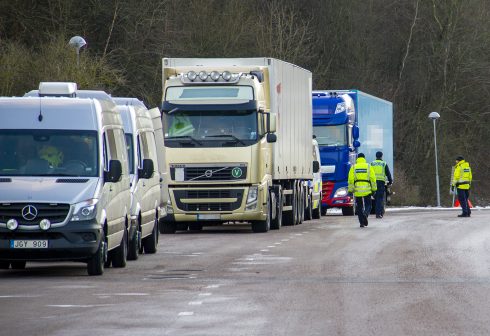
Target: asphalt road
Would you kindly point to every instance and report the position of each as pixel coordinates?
(410, 273)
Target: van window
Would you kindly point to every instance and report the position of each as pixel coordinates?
(111, 145)
(130, 149)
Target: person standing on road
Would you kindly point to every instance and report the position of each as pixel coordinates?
(362, 182)
(462, 182)
(383, 175)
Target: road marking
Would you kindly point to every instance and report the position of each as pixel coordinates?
(18, 296)
(186, 313)
(270, 246)
(278, 243)
(195, 303)
(264, 250)
(80, 306)
(305, 232)
(205, 294)
(298, 234)
(285, 240)
(122, 294)
(213, 286)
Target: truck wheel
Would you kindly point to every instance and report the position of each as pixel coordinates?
(276, 223)
(168, 227)
(95, 265)
(120, 253)
(150, 243)
(309, 208)
(4, 264)
(134, 245)
(17, 265)
(301, 206)
(289, 217)
(348, 211)
(263, 225)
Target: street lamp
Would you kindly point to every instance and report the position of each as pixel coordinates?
(434, 116)
(77, 42)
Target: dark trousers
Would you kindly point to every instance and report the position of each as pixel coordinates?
(463, 195)
(379, 197)
(363, 208)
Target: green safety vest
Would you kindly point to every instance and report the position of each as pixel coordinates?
(181, 125)
(379, 169)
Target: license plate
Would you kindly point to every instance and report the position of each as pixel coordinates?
(208, 216)
(30, 244)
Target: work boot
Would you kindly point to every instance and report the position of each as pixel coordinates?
(366, 222)
(463, 215)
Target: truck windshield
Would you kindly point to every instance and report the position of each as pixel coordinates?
(210, 128)
(331, 135)
(48, 153)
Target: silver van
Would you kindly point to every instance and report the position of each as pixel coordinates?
(64, 180)
(146, 183)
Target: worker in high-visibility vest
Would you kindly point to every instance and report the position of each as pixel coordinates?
(181, 125)
(462, 178)
(362, 182)
(383, 176)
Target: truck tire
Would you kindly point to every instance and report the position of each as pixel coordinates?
(95, 265)
(317, 213)
(301, 205)
(134, 245)
(263, 225)
(276, 223)
(150, 243)
(348, 211)
(289, 217)
(168, 227)
(119, 254)
(18, 265)
(309, 208)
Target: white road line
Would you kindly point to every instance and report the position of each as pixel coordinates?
(264, 250)
(278, 243)
(80, 306)
(18, 296)
(213, 286)
(298, 234)
(195, 303)
(285, 240)
(186, 313)
(205, 294)
(122, 294)
(270, 246)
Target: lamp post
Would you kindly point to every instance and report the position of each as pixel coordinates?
(434, 116)
(77, 42)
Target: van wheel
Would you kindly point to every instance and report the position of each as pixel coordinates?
(150, 243)
(4, 264)
(120, 253)
(134, 245)
(18, 265)
(95, 265)
(276, 223)
(309, 209)
(264, 225)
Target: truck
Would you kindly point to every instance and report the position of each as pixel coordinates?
(238, 142)
(345, 123)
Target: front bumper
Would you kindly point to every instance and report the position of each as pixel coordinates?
(73, 241)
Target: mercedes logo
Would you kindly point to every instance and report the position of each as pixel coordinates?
(29, 212)
(208, 173)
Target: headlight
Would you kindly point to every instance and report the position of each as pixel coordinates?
(226, 75)
(12, 224)
(169, 208)
(44, 224)
(252, 198)
(85, 210)
(214, 75)
(341, 192)
(203, 75)
(192, 75)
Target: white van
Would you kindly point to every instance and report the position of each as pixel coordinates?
(144, 175)
(64, 180)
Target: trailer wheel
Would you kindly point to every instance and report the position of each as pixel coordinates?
(301, 205)
(264, 225)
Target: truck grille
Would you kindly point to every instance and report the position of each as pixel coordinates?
(203, 195)
(56, 213)
(223, 173)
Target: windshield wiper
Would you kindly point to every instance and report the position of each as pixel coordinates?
(185, 137)
(226, 136)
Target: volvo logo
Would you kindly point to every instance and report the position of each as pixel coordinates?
(208, 173)
(29, 212)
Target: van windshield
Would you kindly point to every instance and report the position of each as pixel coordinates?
(48, 153)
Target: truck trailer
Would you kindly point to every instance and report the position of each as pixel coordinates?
(238, 142)
(345, 123)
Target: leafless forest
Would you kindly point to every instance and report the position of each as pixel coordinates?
(423, 55)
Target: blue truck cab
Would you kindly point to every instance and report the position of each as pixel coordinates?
(347, 122)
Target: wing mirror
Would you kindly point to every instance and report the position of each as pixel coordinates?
(316, 166)
(114, 173)
(147, 170)
(271, 137)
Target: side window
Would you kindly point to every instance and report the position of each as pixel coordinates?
(262, 124)
(111, 145)
(105, 153)
(349, 135)
(152, 151)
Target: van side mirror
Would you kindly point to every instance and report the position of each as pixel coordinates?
(271, 137)
(356, 144)
(147, 170)
(115, 171)
(316, 166)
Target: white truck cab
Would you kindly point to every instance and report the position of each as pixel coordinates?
(64, 180)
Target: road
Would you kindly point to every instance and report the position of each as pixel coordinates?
(410, 273)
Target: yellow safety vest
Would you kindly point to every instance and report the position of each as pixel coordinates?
(462, 175)
(362, 180)
(379, 169)
(181, 125)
